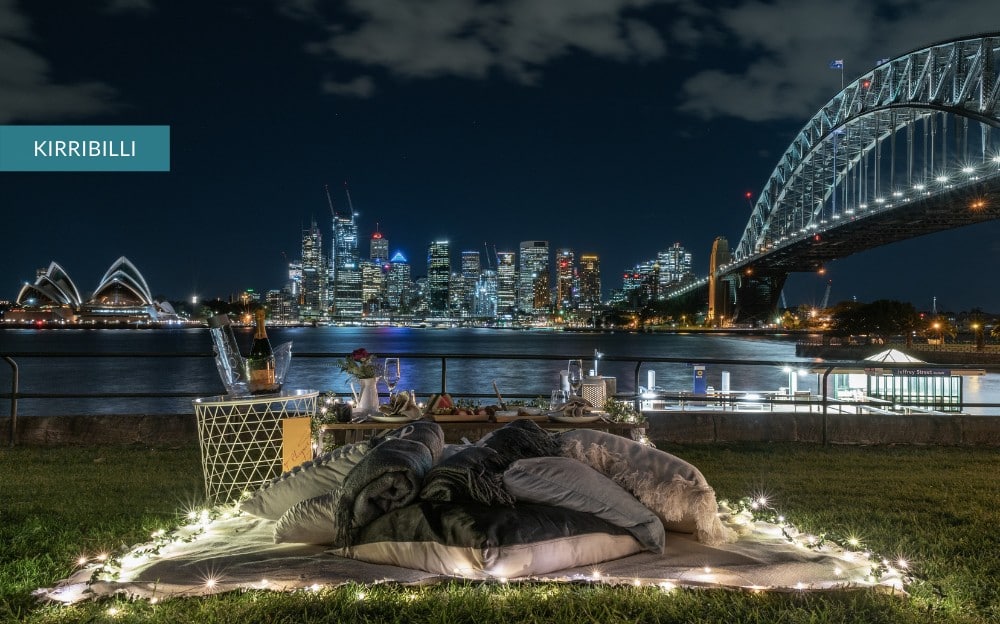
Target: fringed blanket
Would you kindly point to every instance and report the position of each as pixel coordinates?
(237, 552)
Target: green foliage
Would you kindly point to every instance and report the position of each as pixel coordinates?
(936, 506)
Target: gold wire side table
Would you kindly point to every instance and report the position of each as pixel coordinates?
(241, 439)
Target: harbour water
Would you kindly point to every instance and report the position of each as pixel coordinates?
(72, 375)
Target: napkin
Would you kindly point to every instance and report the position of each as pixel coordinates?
(401, 405)
(575, 407)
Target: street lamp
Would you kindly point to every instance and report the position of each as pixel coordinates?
(937, 330)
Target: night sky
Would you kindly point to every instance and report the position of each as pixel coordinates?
(614, 127)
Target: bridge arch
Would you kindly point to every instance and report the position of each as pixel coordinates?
(916, 132)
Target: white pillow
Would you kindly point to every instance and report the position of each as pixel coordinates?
(308, 480)
(477, 541)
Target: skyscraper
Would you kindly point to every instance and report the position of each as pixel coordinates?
(378, 247)
(345, 268)
(675, 267)
(438, 277)
(590, 281)
(471, 269)
(506, 283)
(533, 277)
(566, 287)
(398, 284)
(313, 296)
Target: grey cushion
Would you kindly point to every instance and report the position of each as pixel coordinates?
(308, 522)
(565, 482)
(308, 480)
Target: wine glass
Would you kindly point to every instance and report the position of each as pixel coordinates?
(391, 375)
(575, 376)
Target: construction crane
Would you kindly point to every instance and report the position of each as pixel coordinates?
(826, 296)
(329, 200)
(350, 204)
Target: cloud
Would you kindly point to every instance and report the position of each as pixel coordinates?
(362, 87)
(474, 39)
(27, 92)
(790, 43)
(756, 60)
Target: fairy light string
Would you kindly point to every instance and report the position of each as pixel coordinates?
(744, 512)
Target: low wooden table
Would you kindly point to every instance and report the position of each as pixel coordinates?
(455, 431)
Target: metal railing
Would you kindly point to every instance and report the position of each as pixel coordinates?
(771, 400)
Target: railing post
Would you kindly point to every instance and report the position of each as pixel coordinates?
(13, 399)
(637, 403)
(444, 374)
(826, 374)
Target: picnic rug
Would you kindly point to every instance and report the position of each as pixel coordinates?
(227, 550)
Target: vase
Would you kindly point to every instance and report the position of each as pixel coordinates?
(366, 399)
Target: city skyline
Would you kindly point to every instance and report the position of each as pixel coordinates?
(617, 130)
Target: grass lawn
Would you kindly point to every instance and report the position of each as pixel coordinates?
(938, 507)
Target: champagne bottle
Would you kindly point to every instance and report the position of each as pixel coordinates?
(260, 363)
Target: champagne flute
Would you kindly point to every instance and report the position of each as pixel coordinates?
(391, 375)
(575, 377)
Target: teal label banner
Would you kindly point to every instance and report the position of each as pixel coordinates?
(84, 148)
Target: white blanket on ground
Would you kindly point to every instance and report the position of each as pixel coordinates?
(237, 552)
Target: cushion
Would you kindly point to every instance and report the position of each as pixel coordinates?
(309, 521)
(479, 541)
(566, 482)
(308, 480)
(672, 488)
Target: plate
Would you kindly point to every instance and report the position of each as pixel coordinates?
(387, 418)
(558, 417)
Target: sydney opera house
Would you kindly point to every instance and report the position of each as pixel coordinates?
(122, 296)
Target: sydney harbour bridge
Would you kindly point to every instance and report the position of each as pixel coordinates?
(910, 148)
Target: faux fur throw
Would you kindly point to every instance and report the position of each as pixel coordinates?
(672, 488)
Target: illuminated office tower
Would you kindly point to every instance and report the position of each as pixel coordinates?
(471, 269)
(313, 295)
(399, 287)
(345, 268)
(485, 295)
(373, 276)
(566, 287)
(590, 281)
(438, 277)
(378, 247)
(675, 267)
(506, 283)
(294, 289)
(373, 288)
(533, 277)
